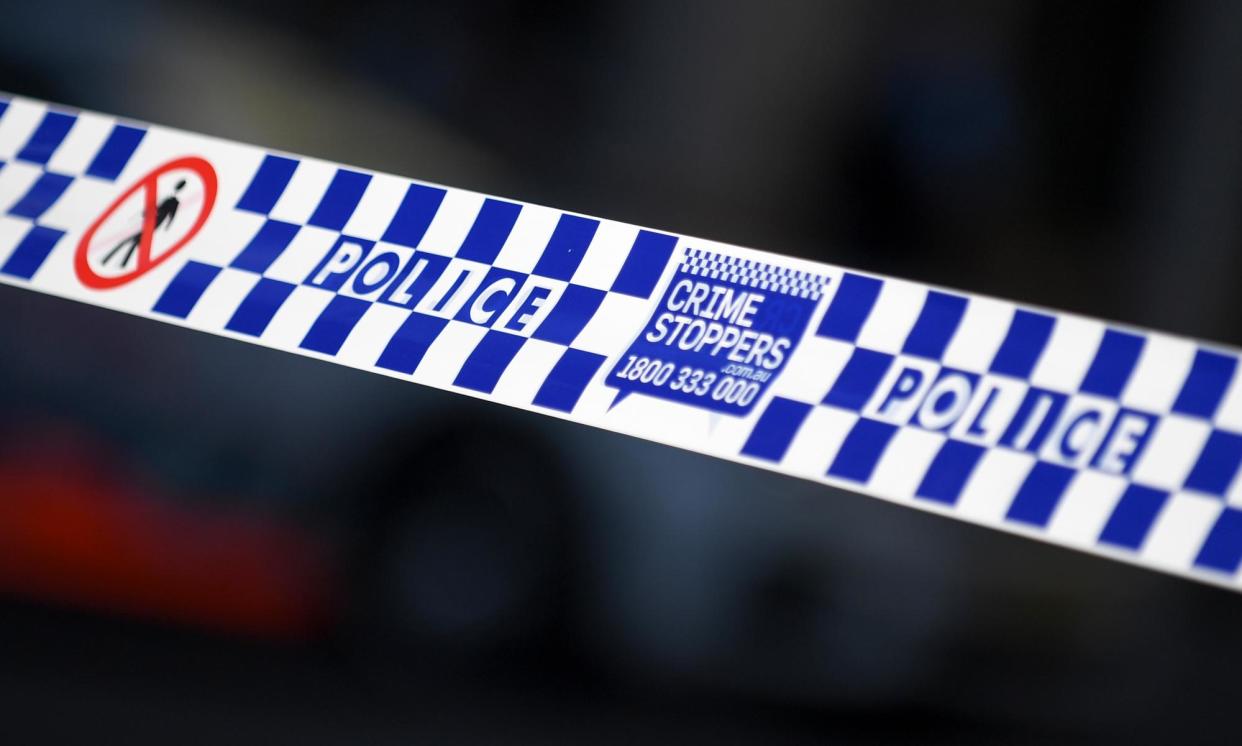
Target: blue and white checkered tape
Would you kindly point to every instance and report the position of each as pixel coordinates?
(1091, 435)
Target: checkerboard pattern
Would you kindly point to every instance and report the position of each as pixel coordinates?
(598, 274)
(1177, 504)
(756, 274)
(1120, 442)
(44, 154)
(301, 211)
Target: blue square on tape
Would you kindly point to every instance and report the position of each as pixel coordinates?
(340, 200)
(1222, 550)
(850, 307)
(644, 264)
(272, 238)
(1218, 463)
(47, 137)
(259, 306)
(1023, 344)
(1133, 517)
(859, 379)
(268, 184)
(488, 233)
(568, 379)
(568, 245)
(935, 326)
(408, 346)
(949, 471)
(482, 370)
(31, 252)
(776, 428)
(41, 195)
(571, 313)
(861, 450)
(1206, 383)
(1039, 494)
(1114, 362)
(110, 161)
(182, 294)
(334, 324)
(414, 215)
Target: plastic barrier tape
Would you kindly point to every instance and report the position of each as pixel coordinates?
(1091, 435)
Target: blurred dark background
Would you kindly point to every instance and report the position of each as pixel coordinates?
(204, 541)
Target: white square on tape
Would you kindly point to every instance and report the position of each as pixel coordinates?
(893, 316)
(529, 237)
(1158, 377)
(1085, 507)
(84, 197)
(994, 483)
(305, 190)
(220, 300)
(614, 324)
(17, 125)
(12, 231)
(527, 371)
(308, 248)
(1180, 530)
(1068, 354)
(377, 207)
(1171, 452)
(295, 316)
(904, 463)
(979, 335)
(818, 440)
(448, 353)
(16, 178)
(81, 145)
(606, 255)
(452, 222)
(371, 335)
(811, 372)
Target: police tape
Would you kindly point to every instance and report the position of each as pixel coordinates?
(1091, 435)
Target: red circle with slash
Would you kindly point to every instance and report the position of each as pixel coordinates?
(145, 263)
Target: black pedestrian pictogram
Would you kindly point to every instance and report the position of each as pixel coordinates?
(165, 213)
(135, 255)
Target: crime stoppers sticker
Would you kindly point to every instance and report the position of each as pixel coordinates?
(721, 334)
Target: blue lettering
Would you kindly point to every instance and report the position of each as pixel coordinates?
(903, 388)
(1124, 441)
(974, 428)
(339, 263)
(415, 279)
(376, 272)
(1066, 446)
(444, 299)
(1033, 420)
(534, 300)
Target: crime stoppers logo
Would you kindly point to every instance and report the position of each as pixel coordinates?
(147, 224)
(722, 333)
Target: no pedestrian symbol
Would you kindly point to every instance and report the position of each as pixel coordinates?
(153, 220)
